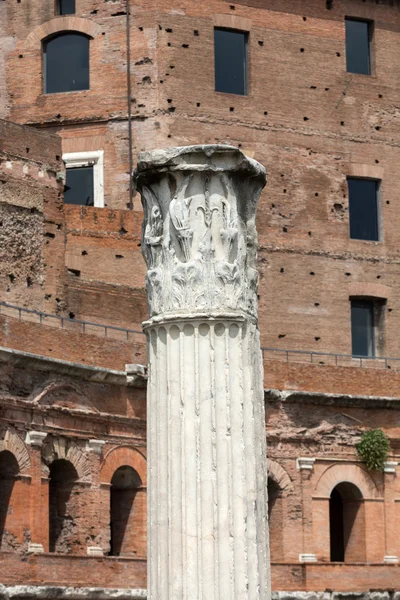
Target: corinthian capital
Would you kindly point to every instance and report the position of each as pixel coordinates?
(199, 234)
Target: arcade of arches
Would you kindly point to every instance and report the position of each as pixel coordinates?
(74, 514)
(333, 510)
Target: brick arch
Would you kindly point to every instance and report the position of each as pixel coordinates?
(43, 395)
(59, 25)
(121, 456)
(279, 475)
(14, 444)
(341, 473)
(61, 449)
(369, 290)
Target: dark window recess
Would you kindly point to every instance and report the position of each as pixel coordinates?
(79, 188)
(124, 485)
(66, 7)
(358, 46)
(347, 524)
(336, 526)
(362, 328)
(66, 63)
(230, 61)
(363, 207)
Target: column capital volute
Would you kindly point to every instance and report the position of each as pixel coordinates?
(35, 438)
(199, 235)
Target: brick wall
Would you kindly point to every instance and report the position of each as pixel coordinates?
(57, 491)
(302, 128)
(32, 232)
(312, 125)
(308, 134)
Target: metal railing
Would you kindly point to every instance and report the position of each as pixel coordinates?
(327, 358)
(121, 333)
(68, 323)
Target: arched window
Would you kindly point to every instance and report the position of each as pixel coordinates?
(66, 63)
(124, 518)
(63, 506)
(275, 517)
(347, 524)
(9, 470)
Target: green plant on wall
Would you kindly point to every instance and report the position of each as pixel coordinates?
(374, 449)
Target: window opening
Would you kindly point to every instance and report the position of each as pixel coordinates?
(66, 63)
(362, 328)
(346, 524)
(84, 183)
(9, 471)
(275, 519)
(358, 46)
(230, 48)
(124, 485)
(79, 186)
(63, 506)
(336, 526)
(66, 7)
(363, 209)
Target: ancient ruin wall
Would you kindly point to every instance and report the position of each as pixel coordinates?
(32, 228)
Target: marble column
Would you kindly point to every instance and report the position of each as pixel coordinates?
(207, 504)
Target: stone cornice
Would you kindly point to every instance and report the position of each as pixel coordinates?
(18, 404)
(26, 360)
(319, 398)
(69, 593)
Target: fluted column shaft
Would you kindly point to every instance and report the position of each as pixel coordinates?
(207, 535)
(207, 505)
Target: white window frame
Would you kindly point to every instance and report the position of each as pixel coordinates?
(95, 159)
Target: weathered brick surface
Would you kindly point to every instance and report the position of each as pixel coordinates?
(339, 577)
(80, 571)
(330, 379)
(68, 513)
(32, 227)
(70, 344)
(311, 124)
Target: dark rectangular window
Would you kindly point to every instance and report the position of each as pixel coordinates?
(66, 63)
(79, 187)
(66, 7)
(358, 46)
(363, 208)
(230, 49)
(362, 328)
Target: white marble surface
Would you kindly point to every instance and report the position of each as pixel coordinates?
(207, 505)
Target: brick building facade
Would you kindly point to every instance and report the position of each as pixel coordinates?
(72, 449)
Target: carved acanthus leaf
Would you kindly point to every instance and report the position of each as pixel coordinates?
(199, 237)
